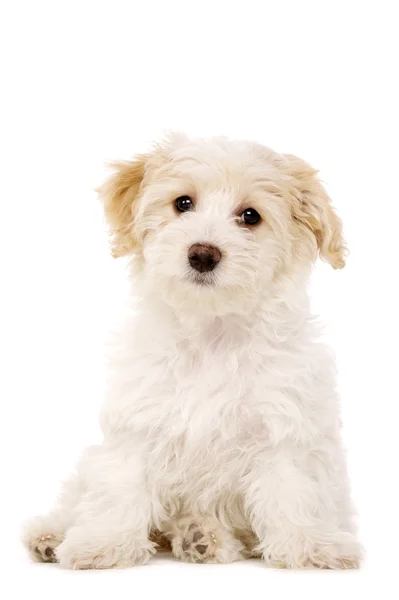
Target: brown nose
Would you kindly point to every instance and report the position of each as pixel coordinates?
(203, 257)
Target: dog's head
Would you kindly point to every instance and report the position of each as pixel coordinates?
(216, 222)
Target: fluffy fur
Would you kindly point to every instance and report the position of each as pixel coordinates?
(221, 422)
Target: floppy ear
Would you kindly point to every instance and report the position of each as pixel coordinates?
(311, 208)
(118, 195)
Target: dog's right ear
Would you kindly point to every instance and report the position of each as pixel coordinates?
(119, 195)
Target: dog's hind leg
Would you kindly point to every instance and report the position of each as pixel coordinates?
(202, 539)
(42, 535)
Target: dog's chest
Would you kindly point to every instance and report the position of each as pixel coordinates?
(209, 394)
(206, 390)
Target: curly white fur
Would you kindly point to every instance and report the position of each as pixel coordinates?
(221, 416)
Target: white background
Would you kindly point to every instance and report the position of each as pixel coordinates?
(88, 81)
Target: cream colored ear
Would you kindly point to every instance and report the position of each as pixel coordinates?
(311, 208)
(118, 195)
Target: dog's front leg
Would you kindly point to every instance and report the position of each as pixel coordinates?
(112, 520)
(295, 515)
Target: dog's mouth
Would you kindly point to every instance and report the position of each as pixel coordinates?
(202, 279)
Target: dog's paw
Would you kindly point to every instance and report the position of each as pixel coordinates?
(198, 545)
(204, 541)
(45, 548)
(340, 551)
(79, 554)
(41, 536)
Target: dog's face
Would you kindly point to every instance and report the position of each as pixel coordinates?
(217, 222)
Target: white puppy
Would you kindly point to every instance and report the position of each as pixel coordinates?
(221, 423)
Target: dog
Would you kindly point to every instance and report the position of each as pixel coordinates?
(221, 420)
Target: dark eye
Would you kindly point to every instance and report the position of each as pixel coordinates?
(183, 203)
(250, 216)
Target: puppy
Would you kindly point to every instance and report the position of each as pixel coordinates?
(221, 421)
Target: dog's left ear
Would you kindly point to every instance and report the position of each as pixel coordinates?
(119, 196)
(311, 208)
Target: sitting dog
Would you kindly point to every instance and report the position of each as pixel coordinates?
(221, 420)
